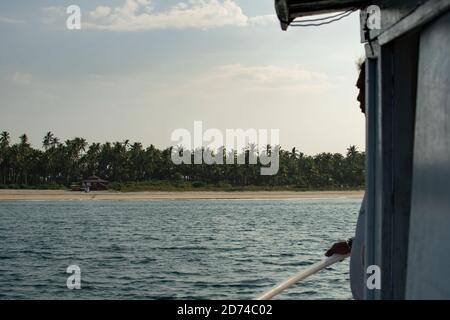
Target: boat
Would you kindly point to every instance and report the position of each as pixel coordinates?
(407, 99)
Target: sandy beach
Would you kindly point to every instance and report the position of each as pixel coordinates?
(157, 195)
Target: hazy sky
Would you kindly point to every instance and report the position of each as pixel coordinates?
(140, 69)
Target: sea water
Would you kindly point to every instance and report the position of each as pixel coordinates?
(172, 249)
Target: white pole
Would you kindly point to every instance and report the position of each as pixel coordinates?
(302, 275)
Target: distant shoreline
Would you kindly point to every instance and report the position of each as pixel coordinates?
(59, 195)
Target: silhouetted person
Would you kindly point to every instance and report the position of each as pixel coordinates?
(355, 245)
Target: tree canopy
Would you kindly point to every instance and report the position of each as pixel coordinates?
(62, 163)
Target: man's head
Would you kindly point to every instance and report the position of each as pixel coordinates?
(361, 85)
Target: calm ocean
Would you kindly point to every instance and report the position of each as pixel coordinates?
(179, 249)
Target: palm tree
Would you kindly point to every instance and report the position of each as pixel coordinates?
(354, 168)
(119, 160)
(48, 140)
(55, 142)
(4, 150)
(91, 160)
(136, 162)
(74, 149)
(24, 140)
(4, 139)
(23, 158)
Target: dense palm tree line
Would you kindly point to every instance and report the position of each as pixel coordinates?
(59, 164)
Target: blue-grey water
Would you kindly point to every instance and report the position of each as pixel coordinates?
(190, 249)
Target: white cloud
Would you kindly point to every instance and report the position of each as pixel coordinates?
(100, 12)
(293, 79)
(139, 15)
(23, 79)
(11, 20)
(263, 20)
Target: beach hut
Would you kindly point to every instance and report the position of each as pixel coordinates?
(93, 183)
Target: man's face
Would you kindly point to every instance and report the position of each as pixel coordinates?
(360, 84)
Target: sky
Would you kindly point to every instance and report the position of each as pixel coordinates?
(140, 69)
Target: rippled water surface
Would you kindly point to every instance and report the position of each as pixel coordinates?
(196, 249)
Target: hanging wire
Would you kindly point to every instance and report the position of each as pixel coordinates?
(325, 18)
(334, 18)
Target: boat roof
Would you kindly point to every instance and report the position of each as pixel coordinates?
(288, 10)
